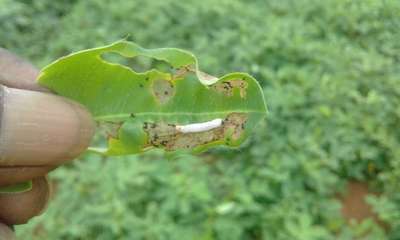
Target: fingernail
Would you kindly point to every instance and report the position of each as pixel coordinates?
(41, 129)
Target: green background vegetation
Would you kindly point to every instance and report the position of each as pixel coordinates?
(330, 71)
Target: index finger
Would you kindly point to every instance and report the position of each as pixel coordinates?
(40, 128)
(36, 128)
(18, 73)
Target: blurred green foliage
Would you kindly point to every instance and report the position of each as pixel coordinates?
(331, 75)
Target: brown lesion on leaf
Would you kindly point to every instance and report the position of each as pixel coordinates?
(110, 129)
(227, 87)
(166, 135)
(235, 122)
(163, 90)
(182, 71)
(160, 134)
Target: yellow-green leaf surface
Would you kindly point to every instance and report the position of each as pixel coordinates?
(178, 108)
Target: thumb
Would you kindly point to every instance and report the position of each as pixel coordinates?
(6, 233)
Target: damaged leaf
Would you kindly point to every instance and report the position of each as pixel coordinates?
(180, 108)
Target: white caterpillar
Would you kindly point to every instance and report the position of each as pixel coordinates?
(199, 127)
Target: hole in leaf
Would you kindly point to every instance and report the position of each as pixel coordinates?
(137, 64)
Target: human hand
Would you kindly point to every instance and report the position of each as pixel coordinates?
(38, 132)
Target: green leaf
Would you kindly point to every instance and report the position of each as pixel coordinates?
(178, 108)
(17, 188)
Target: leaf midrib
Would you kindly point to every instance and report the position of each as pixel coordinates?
(128, 115)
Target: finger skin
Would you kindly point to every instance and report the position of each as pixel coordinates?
(6, 233)
(38, 129)
(18, 208)
(18, 73)
(37, 132)
(12, 175)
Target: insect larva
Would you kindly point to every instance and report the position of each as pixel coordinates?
(199, 127)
